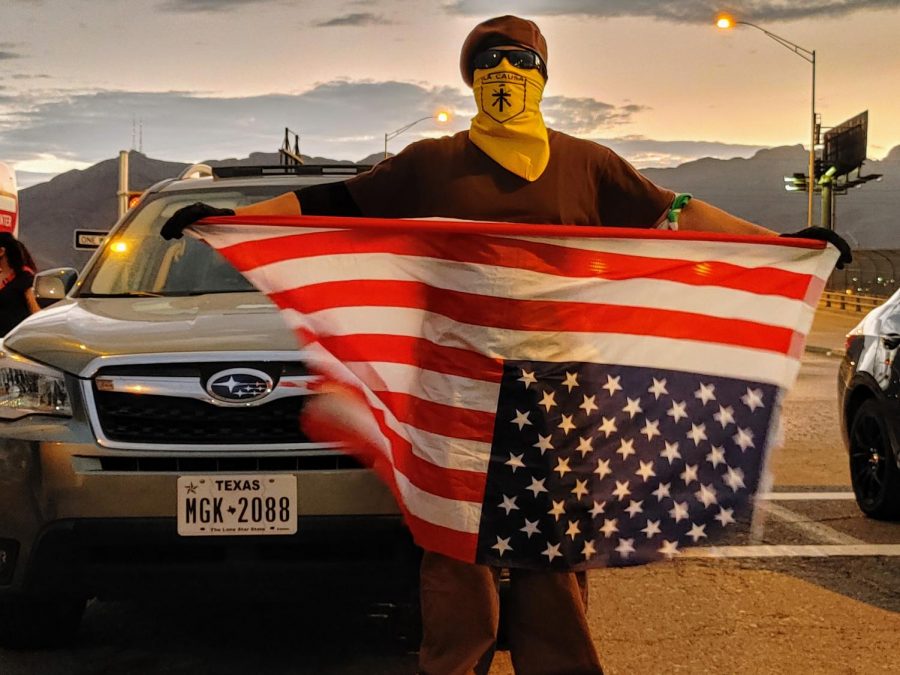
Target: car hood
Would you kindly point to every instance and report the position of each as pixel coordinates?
(75, 332)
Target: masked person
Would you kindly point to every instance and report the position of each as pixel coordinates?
(507, 167)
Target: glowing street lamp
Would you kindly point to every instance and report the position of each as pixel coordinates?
(441, 117)
(726, 22)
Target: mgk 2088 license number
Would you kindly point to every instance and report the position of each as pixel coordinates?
(237, 505)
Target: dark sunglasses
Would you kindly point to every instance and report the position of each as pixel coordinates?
(517, 58)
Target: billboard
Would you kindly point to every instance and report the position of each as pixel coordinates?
(9, 201)
(845, 145)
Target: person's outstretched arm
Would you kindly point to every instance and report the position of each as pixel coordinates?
(699, 215)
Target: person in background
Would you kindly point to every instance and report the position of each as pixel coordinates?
(17, 270)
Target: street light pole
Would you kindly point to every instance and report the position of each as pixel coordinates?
(399, 131)
(810, 57)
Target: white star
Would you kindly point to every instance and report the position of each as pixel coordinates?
(537, 486)
(584, 446)
(621, 490)
(679, 511)
(610, 527)
(697, 433)
(602, 468)
(612, 384)
(588, 550)
(527, 377)
(530, 528)
(658, 388)
(671, 452)
(626, 448)
(676, 412)
(635, 508)
(651, 429)
(734, 479)
(725, 416)
(662, 491)
(562, 467)
(552, 551)
(706, 393)
(646, 471)
(697, 532)
(609, 426)
(588, 405)
(652, 528)
(580, 489)
(668, 548)
(707, 494)
(744, 439)
(521, 419)
(633, 407)
(625, 548)
(598, 508)
(567, 425)
(543, 443)
(509, 504)
(716, 456)
(753, 399)
(558, 509)
(571, 381)
(689, 475)
(502, 545)
(548, 400)
(515, 461)
(573, 529)
(725, 516)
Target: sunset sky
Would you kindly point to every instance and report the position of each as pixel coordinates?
(189, 80)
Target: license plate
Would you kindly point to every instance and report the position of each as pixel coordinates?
(234, 505)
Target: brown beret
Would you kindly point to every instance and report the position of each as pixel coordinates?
(502, 30)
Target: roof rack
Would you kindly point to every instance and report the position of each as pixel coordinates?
(290, 170)
(196, 171)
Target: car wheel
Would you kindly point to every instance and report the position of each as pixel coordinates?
(873, 464)
(35, 623)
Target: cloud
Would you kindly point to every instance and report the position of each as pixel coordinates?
(340, 119)
(7, 55)
(357, 19)
(208, 5)
(682, 11)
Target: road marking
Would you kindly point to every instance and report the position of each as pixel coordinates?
(806, 496)
(792, 551)
(814, 530)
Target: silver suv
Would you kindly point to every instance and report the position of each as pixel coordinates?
(149, 437)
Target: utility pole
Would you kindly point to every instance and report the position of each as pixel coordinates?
(123, 182)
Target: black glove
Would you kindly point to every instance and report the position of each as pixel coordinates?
(830, 236)
(187, 215)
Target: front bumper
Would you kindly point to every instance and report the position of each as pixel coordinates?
(76, 525)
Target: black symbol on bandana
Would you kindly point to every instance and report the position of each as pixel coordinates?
(501, 97)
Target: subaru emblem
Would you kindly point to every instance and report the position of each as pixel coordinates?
(239, 385)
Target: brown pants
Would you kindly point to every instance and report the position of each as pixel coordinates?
(547, 629)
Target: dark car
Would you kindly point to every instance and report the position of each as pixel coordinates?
(868, 391)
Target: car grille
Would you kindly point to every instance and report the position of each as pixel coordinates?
(166, 405)
(169, 419)
(334, 461)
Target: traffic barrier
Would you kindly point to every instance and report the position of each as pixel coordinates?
(847, 302)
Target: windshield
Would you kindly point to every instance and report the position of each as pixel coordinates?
(137, 261)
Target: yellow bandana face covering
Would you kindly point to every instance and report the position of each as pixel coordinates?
(509, 127)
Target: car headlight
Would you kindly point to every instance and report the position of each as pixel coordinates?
(30, 388)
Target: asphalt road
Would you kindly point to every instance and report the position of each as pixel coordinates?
(819, 592)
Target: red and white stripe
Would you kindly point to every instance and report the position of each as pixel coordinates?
(419, 315)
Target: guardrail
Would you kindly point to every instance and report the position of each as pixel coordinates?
(850, 303)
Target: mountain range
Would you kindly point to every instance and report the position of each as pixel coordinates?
(751, 188)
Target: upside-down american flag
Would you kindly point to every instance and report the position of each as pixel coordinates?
(547, 396)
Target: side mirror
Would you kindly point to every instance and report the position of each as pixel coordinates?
(52, 285)
(891, 341)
